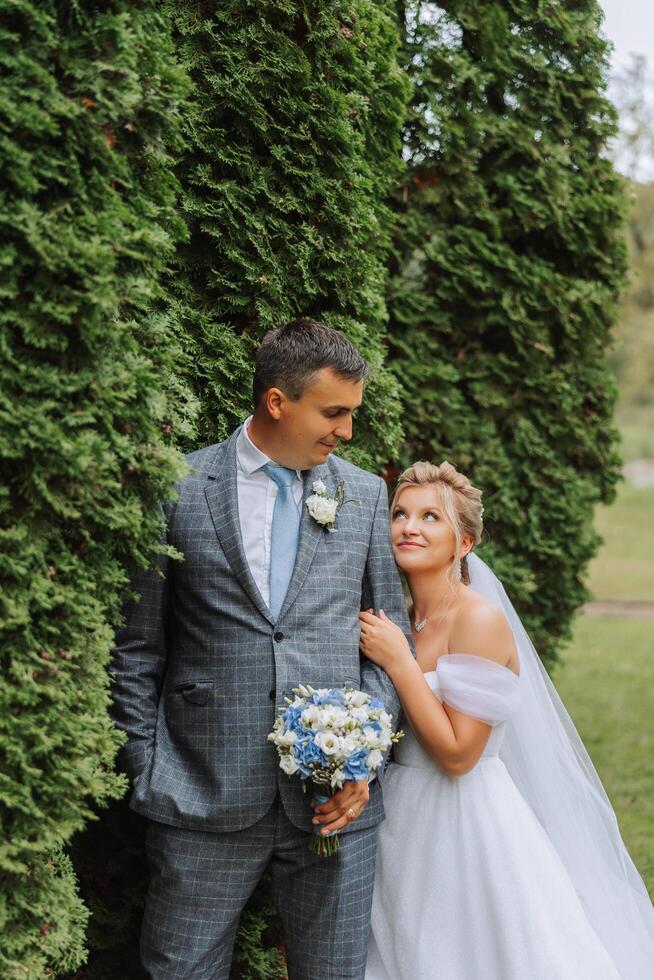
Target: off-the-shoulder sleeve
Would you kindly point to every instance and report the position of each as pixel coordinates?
(478, 687)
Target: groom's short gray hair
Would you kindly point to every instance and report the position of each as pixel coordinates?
(290, 357)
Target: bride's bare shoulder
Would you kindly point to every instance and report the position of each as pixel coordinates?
(481, 628)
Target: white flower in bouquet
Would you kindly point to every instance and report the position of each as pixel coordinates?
(289, 765)
(311, 715)
(376, 740)
(329, 743)
(287, 739)
(356, 698)
(338, 778)
(349, 744)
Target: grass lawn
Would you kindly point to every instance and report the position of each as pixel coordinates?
(624, 567)
(637, 437)
(607, 684)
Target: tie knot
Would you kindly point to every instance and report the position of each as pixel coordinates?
(281, 475)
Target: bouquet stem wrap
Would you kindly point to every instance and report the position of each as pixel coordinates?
(323, 844)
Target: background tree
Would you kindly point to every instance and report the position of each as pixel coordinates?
(633, 357)
(88, 400)
(505, 274)
(293, 143)
(632, 90)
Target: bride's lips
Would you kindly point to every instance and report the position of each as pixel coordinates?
(410, 544)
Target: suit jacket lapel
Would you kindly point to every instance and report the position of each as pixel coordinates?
(222, 497)
(310, 534)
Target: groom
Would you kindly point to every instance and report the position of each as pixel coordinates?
(266, 598)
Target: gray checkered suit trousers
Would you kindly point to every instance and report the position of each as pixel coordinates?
(200, 668)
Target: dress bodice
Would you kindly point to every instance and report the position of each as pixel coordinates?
(474, 685)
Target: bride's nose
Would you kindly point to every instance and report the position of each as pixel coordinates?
(410, 527)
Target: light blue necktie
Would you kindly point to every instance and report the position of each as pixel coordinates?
(284, 537)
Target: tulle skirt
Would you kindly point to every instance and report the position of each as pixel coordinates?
(469, 887)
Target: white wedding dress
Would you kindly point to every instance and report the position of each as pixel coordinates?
(468, 884)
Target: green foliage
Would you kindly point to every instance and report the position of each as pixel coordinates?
(293, 130)
(506, 269)
(292, 135)
(109, 856)
(58, 936)
(258, 952)
(89, 121)
(276, 127)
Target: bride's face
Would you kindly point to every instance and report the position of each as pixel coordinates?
(422, 538)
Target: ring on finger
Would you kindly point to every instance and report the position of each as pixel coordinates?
(351, 812)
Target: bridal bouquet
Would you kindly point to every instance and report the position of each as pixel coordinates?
(328, 736)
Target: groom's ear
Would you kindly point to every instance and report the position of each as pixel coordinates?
(274, 400)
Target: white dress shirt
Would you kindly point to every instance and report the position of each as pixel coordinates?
(256, 502)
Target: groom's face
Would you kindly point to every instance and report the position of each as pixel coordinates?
(314, 425)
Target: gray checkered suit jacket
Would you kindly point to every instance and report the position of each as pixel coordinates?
(200, 666)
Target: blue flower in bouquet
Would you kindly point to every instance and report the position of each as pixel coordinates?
(308, 754)
(334, 697)
(292, 719)
(376, 704)
(355, 767)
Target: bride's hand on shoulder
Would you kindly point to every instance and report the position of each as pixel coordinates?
(382, 640)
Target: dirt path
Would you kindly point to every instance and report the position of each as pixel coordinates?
(640, 472)
(632, 608)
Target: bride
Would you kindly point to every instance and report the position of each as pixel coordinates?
(500, 857)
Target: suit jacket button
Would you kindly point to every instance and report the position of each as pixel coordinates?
(272, 694)
(278, 635)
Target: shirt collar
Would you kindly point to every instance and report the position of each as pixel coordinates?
(250, 459)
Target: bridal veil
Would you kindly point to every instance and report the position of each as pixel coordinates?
(553, 771)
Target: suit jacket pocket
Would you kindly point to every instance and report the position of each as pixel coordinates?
(193, 692)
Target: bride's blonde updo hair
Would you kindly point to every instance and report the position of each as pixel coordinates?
(459, 502)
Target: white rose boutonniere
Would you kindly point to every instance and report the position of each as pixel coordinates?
(322, 507)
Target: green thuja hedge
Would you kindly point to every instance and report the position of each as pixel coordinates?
(506, 267)
(89, 120)
(292, 130)
(294, 141)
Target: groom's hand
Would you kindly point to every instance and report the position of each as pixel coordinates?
(343, 807)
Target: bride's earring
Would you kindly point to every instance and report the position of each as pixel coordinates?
(457, 569)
